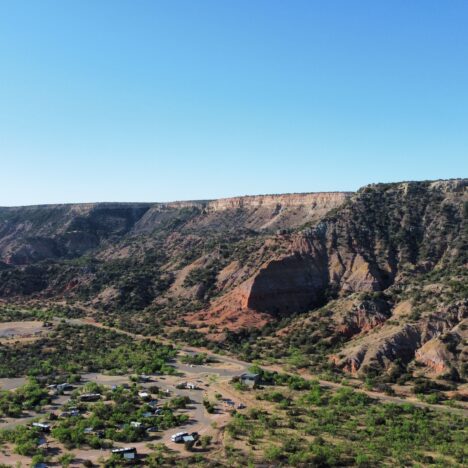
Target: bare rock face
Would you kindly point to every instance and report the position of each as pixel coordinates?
(260, 259)
(34, 233)
(292, 283)
(364, 317)
(273, 212)
(359, 275)
(435, 355)
(447, 350)
(422, 340)
(262, 213)
(230, 312)
(378, 352)
(364, 248)
(325, 201)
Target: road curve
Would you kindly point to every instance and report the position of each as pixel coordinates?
(243, 366)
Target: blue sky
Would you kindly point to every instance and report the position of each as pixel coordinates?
(147, 100)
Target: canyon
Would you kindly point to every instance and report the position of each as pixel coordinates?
(384, 268)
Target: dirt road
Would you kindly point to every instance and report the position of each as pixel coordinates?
(242, 366)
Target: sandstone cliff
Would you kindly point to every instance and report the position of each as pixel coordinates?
(250, 262)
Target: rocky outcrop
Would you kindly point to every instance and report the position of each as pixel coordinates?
(34, 233)
(260, 259)
(364, 246)
(421, 340)
(259, 213)
(364, 317)
(321, 200)
(291, 284)
(435, 355)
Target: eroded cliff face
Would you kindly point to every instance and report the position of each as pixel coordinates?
(375, 237)
(262, 213)
(420, 341)
(363, 317)
(290, 284)
(379, 241)
(321, 200)
(244, 262)
(34, 233)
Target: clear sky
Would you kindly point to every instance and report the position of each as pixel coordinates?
(151, 100)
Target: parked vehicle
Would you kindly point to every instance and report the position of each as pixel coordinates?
(179, 437)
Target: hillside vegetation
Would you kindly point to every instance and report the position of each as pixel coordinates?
(371, 284)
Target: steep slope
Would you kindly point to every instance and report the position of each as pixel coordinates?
(402, 246)
(383, 231)
(33, 233)
(62, 249)
(366, 282)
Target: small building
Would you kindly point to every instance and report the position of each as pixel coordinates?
(144, 395)
(71, 412)
(181, 437)
(251, 380)
(187, 386)
(136, 424)
(99, 433)
(63, 387)
(41, 426)
(127, 453)
(90, 397)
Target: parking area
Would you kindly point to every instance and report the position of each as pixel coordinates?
(199, 383)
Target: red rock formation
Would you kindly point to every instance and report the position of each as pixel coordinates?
(363, 318)
(420, 340)
(434, 354)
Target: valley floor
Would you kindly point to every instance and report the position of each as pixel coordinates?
(243, 366)
(213, 382)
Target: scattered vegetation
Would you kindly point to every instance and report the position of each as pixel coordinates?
(84, 349)
(31, 396)
(197, 359)
(317, 427)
